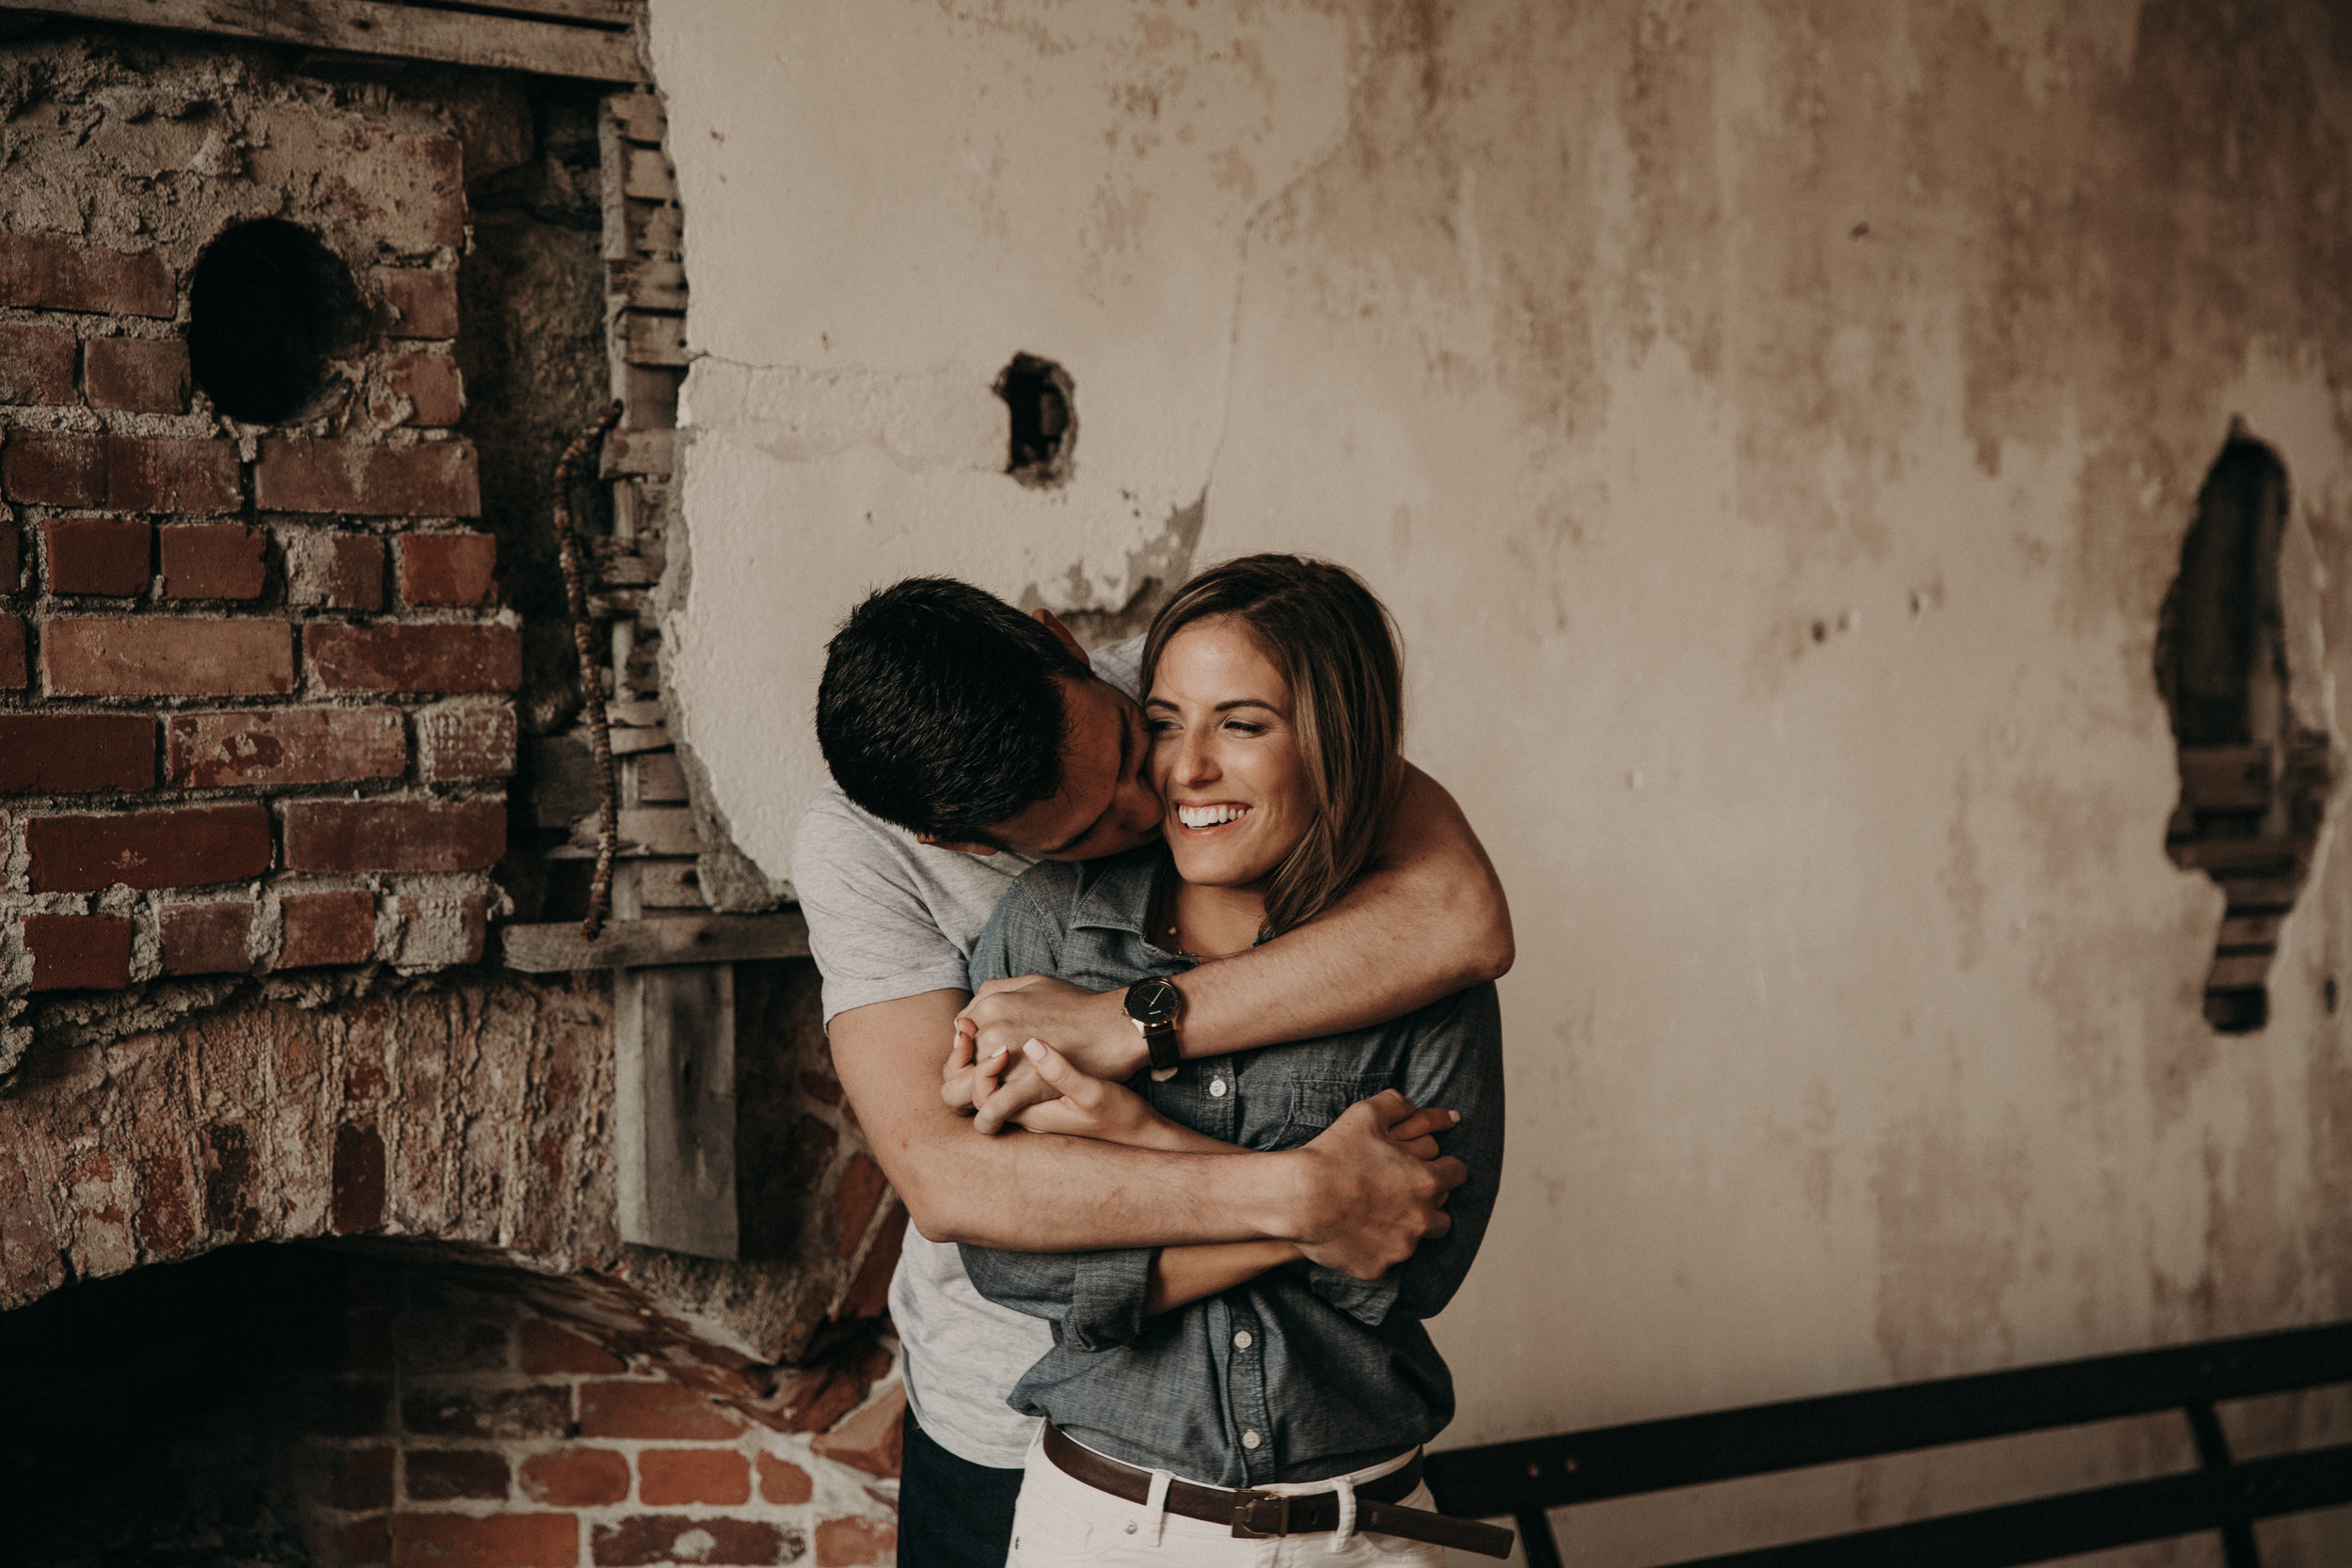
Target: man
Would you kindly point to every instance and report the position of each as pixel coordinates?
(965, 741)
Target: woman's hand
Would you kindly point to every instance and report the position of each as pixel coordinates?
(1085, 1107)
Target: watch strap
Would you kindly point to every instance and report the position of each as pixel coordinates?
(1159, 1045)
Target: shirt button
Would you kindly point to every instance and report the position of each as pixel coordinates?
(1241, 1341)
(1130, 1527)
(1250, 1439)
(1217, 1088)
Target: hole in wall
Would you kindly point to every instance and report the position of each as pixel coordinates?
(1042, 403)
(267, 307)
(2254, 775)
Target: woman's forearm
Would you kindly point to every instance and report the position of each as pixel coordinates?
(1183, 1274)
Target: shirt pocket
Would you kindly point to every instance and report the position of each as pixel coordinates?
(1317, 1102)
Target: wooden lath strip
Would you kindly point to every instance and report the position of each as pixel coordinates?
(546, 48)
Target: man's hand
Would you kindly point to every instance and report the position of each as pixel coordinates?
(1366, 1201)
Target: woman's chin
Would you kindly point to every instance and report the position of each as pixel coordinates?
(1203, 865)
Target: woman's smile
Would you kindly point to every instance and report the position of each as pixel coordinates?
(1201, 818)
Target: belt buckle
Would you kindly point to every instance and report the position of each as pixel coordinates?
(1252, 1510)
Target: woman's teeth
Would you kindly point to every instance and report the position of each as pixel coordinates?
(1208, 817)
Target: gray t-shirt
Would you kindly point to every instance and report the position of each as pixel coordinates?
(891, 917)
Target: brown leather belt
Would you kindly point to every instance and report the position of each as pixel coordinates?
(1257, 1515)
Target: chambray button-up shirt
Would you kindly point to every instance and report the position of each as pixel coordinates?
(1301, 1373)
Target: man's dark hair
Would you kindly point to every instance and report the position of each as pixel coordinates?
(939, 710)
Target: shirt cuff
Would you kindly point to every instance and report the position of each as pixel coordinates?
(1367, 1301)
(1106, 1297)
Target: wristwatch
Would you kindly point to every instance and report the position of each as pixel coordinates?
(1152, 1007)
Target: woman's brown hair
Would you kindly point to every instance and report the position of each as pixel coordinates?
(1335, 643)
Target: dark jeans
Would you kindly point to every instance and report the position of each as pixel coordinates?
(952, 1514)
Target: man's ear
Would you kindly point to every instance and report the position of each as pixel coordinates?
(938, 843)
(1052, 622)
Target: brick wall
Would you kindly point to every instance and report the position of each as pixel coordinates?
(473, 1429)
(254, 693)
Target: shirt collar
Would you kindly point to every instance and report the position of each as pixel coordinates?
(1115, 894)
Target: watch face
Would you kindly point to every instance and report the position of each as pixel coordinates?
(1153, 1001)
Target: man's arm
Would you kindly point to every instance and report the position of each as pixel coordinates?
(1427, 920)
(1353, 1199)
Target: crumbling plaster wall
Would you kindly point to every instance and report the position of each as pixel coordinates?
(1774, 428)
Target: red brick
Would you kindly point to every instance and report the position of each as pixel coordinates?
(652, 1410)
(99, 555)
(285, 746)
(492, 1541)
(11, 559)
(549, 1349)
(854, 1200)
(152, 473)
(781, 1481)
(576, 1478)
(667, 1476)
(363, 1480)
(430, 383)
(208, 939)
(358, 1179)
(413, 659)
(166, 657)
(504, 1413)
(447, 569)
(868, 1293)
(443, 1474)
(410, 187)
(13, 669)
(336, 571)
(211, 561)
(63, 274)
(466, 740)
(848, 1542)
(394, 835)
(189, 848)
(872, 1440)
(144, 375)
(75, 754)
(36, 365)
(422, 304)
(54, 468)
(660, 1538)
(79, 952)
(367, 1543)
(328, 928)
(297, 473)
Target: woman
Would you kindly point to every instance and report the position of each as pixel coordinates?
(1273, 703)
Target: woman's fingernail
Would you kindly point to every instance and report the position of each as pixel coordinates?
(1455, 1116)
(997, 1057)
(1034, 1050)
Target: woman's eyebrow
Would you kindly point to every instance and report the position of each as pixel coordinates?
(1248, 702)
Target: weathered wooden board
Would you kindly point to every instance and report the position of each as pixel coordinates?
(638, 116)
(674, 1107)
(657, 941)
(544, 47)
(653, 339)
(2227, 778)
(641, 451)
(660, 778)
(670, 885)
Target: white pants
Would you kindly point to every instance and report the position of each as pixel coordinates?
(1062, 1520)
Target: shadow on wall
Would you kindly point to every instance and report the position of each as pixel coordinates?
(2255, 777)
